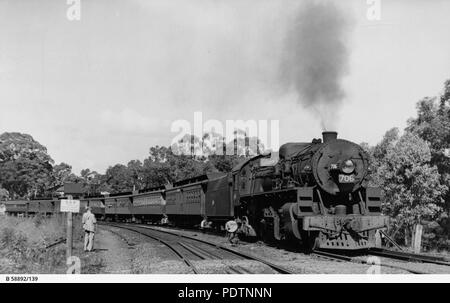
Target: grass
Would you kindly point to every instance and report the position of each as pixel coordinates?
(24, 241)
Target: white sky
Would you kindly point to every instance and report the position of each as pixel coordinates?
(104, 89)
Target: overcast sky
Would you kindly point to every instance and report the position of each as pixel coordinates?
(104, 89)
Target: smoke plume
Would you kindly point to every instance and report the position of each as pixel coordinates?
(316, 58)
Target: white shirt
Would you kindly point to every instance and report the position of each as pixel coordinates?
(88, 221)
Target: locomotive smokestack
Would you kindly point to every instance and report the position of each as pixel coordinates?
(329, 136)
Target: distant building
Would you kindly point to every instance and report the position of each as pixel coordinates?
(69, 188)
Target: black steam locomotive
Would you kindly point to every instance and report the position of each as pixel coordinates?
(314, 193)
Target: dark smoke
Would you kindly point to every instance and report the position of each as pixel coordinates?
(316, 57)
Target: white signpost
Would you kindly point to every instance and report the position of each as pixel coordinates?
(70, 206)
(417, 244)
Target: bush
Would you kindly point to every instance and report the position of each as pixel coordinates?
(23, 243)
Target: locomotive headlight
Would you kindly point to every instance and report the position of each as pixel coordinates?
(348, 167)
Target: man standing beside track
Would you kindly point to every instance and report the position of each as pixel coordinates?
(89, 223)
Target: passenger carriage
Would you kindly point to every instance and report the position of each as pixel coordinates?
(149, 205)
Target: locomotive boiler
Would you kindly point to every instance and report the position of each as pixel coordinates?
(314, 192)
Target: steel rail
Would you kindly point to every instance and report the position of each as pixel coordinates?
(168, 245)
(202, 254)
(196, 251)
(408, 256)
(340, 257)
(243, 255)
(332, 256)
(275, 267)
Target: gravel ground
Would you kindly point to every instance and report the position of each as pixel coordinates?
(125, 251)
(306, 264)
(155, 258)
(114, 251)
(222, 266)
(428, 268)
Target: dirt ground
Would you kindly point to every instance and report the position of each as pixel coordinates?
(114, 252)
(126, 252)
(131, 253)
(305, 264)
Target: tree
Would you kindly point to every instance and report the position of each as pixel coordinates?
(156, 169)
(225, 163)
(4, 194)
(93, 182)
(381, 149)
(118, 178)
(25, 167)
(155, 173)
(412, 186)
(159, 153)
(185, 167)
(163, 166)
(433, 125)
(63, 173)
(445, 99)
(136, 173)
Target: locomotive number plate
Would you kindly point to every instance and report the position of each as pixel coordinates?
(346, 178)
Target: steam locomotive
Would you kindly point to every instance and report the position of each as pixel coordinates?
(313, 193)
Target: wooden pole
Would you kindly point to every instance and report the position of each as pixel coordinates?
(69, 232)
(378, 242)
(418, 238)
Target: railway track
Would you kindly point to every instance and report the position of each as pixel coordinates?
(190, 249)
(411, 257)
(344, 258)
(203, 253)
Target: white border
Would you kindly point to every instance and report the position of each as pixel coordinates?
(328, 278)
